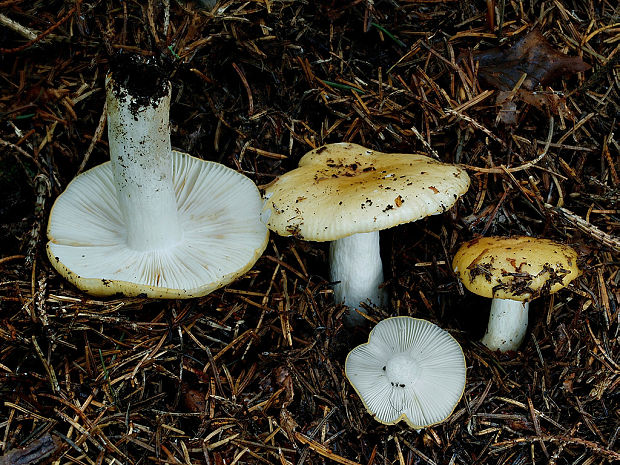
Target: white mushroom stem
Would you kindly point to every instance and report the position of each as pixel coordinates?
(507, 325)
(355, 262)
(141, 156)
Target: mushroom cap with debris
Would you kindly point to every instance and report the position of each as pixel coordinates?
(343, 189)
(516, 268)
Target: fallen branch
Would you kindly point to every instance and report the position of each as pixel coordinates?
(593, 446)
(608, 240)
(45, 33)
(323, 450)
(38, 450)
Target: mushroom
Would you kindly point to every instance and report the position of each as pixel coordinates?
(513, 271)
(153, 221)
(409, 369)
(346, 193)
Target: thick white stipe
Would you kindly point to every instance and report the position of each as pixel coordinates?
(355, 261)
(141, 156)
(507, 325)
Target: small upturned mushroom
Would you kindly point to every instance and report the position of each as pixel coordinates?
(346, 193)
(153, 221)
(512, 271)
(410, 369)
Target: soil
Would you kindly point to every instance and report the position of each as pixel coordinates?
(143, 78)
(254, 373)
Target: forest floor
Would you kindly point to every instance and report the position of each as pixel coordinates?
(254, 372)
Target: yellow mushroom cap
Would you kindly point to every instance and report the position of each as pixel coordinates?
(517, 268)
(342, 189)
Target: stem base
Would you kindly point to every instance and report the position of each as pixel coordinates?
(507, 325)
(355, 262)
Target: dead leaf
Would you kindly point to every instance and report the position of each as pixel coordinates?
(283, 378)
(532, 54)
(548, 101)
(194, 400)
(288, 423)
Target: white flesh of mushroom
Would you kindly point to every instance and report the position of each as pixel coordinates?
(355, 264)
(507, 325)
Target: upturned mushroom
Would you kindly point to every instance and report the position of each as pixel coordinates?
(410, 369)
(153, 221)
(346, 193)
(513, 271)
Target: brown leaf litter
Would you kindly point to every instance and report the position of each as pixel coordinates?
(253, 373)
(521, 72)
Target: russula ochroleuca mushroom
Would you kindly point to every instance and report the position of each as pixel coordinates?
(410, 369)
(346, 193)
(512, 271)
(153, 221)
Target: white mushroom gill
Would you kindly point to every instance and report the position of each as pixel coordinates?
(410, 369)
(154, 221)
